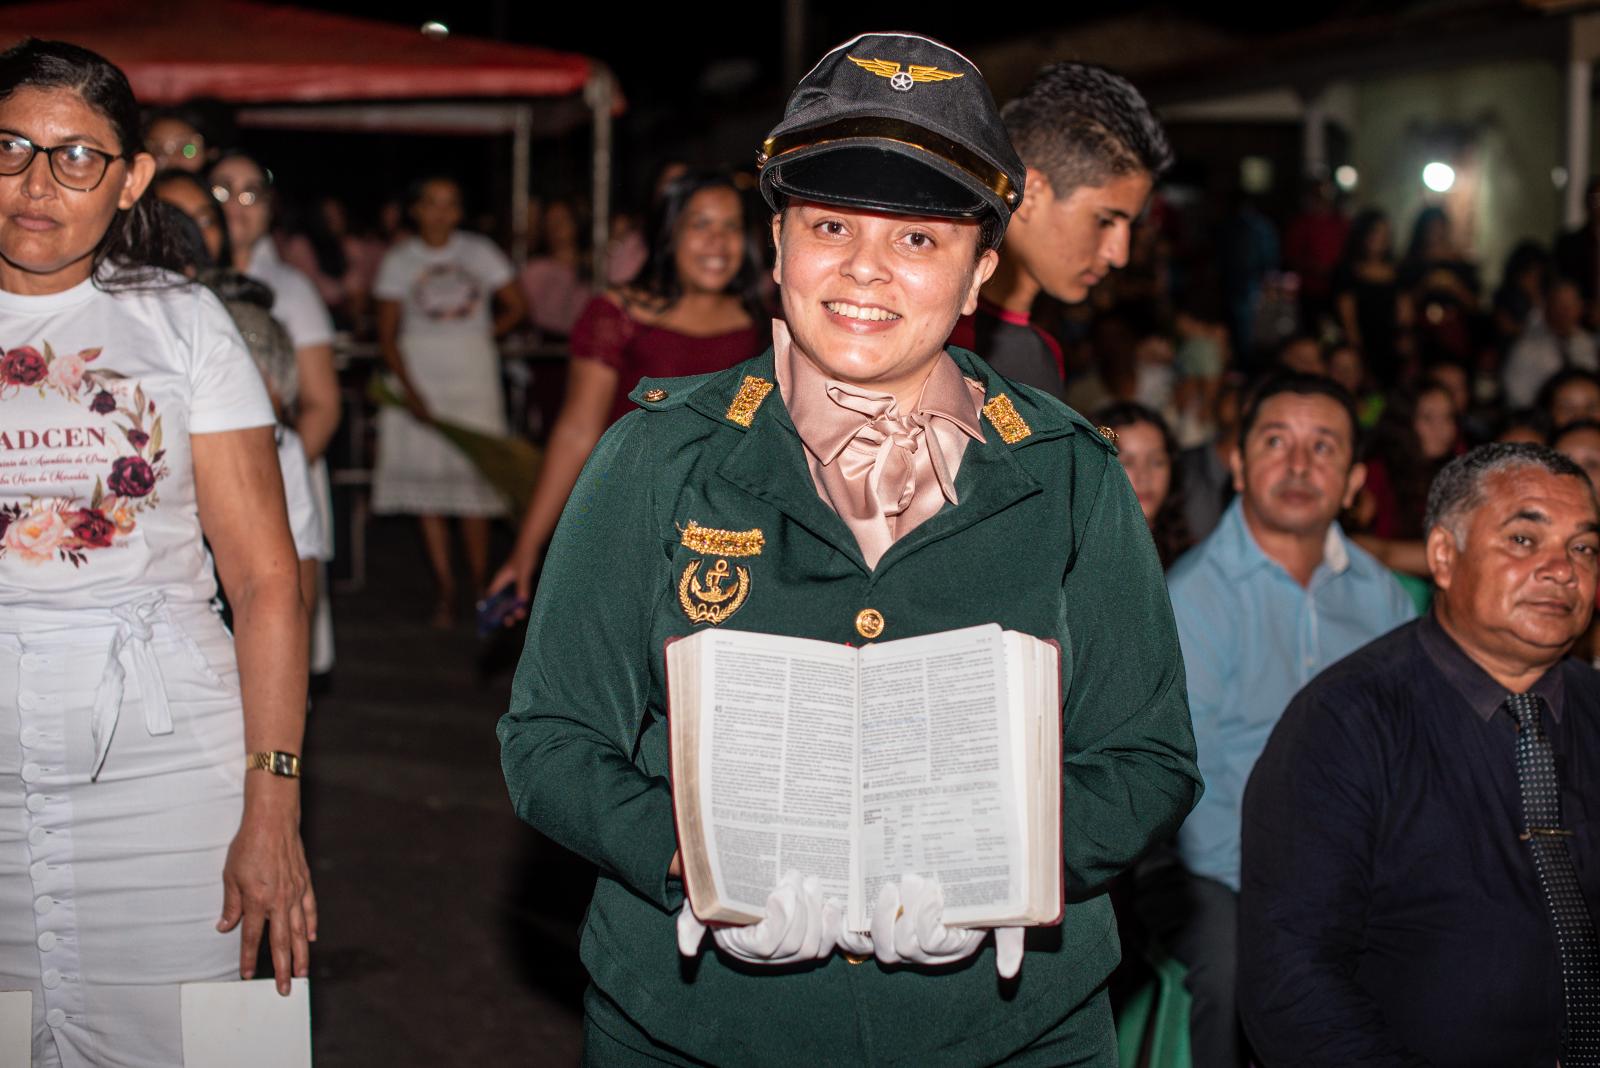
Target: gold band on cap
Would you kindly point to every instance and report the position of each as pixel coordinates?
(878, 128)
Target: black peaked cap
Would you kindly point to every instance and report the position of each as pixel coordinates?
(894, 122)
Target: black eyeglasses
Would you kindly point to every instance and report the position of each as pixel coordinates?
(76, 167)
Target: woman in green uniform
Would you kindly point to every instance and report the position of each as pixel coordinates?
(872, 485)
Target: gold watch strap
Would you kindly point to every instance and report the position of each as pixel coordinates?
(285, 764)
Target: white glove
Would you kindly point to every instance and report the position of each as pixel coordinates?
(800, 925)
(908, 926)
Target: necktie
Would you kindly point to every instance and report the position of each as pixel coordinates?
(1576, 944)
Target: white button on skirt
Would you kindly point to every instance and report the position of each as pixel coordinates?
(110, 889)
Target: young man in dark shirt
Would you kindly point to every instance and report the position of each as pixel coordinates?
(1421, 863)
(1093, 152)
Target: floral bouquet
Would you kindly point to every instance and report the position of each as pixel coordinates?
(510, 464)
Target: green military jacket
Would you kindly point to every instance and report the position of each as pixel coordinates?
(1047, 538)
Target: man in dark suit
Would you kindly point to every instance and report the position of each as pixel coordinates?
(1421, 864)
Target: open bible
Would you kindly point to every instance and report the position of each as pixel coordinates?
(938, 755)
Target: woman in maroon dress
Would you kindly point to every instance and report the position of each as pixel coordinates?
(692, 309)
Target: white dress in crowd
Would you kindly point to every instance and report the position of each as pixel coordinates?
(121, 727)
(446, 298)
(299, 308)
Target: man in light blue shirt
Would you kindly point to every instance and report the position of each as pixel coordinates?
(1276, 594)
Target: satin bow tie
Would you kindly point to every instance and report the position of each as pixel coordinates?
(884, 449)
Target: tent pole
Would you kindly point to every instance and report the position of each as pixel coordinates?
(521, 178)
(597, 93)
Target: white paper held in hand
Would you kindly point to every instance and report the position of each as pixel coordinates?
(16, 1026)
(246, 1025)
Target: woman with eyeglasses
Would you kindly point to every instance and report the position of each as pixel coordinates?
(244, 188)
(241, 183)
(249, 303)
(138, 848)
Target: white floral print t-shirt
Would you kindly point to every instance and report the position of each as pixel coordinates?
(99, 393)
(446, 291)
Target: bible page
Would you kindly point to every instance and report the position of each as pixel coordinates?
(777, 759)
(939, 795)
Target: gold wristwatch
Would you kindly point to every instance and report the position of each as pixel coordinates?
(285, 764)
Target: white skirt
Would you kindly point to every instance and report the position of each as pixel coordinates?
(111, 886)
(419, 471)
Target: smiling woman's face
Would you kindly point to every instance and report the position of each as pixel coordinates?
(870, 298)
(48, 233)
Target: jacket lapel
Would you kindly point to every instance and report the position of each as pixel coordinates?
(989, 481)
(769, 463)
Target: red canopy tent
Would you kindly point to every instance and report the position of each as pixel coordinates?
(323, 70)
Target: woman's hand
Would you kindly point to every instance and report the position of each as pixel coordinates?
(414, 402)
(517, 571)
(266, 882)
(265, 879)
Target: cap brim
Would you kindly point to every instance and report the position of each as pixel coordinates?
(877, 177)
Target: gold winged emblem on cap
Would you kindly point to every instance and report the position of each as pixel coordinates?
(903, 78)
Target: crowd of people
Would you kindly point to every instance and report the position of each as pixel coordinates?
(1320, 499)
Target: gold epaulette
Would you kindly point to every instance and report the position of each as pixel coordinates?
(1003, 414)
(748, 399)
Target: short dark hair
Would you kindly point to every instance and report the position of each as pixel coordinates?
(1084, 125)
(1305, 386)
(175, 176)
(1574, 427)
(1458, 489)
(1169, 527)
(1561, 380)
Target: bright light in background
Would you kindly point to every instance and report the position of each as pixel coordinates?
(1345, 177)
(1439, 177)
(1255, 175)
(1558, 177)
(435, 29)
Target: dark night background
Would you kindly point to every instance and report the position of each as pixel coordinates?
(686, 73)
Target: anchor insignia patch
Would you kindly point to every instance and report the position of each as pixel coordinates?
(712, 600)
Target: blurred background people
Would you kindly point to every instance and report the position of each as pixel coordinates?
(250, 302)
(317, 238)
(695, 307)
(244, 188)
(1577, 251)
(1569, 396)
(556, 280)
(1519, 299)
(1148, 453)
(1416, 436)
(1442, 285)
(1550, 342)
(444, 297)
(189, 137)
(1371, 309)
(1313, 246)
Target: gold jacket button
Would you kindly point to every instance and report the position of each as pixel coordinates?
(869, 623)
(655, 395)
(1107, 433)
(856, 958)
